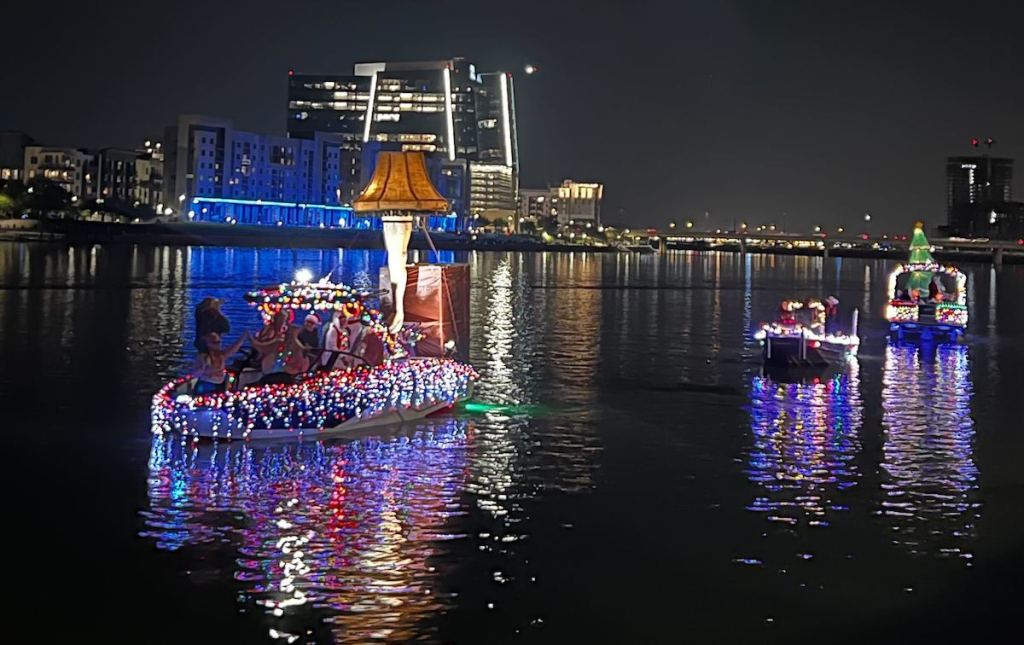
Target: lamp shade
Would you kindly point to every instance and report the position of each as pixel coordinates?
(400, 183)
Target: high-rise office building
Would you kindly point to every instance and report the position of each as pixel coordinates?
(494, 177)
(332, 104)
(463, 121)
(972, 181)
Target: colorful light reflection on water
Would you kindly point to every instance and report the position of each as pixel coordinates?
(341, 531)
(805, 441)
(930, 477)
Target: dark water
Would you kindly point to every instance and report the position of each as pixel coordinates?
(634, 478)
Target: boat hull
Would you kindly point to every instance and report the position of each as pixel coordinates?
(790, 352)
(925, 332)
(333, 403)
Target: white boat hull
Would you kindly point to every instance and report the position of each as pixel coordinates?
(331, 403)
(210, 424)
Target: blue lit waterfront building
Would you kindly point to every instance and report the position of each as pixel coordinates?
(215, 173)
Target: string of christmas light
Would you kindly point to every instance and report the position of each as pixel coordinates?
(951, 312)
(305, 297)
(316, 404)
(797, 330)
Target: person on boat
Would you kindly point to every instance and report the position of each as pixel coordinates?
(935, 290)
(817, 314)
(343, 341)
(787, 312)
(309, 334)
(209, 320)
(274, 329)
(831, 315)
(289, 361)
(335, 340)
(210, 368)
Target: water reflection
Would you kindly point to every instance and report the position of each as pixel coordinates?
(805, 441)
(930, 477)
(342, 529)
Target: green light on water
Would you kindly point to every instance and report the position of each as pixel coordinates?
(480, 407)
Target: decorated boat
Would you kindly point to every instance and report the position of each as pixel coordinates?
(927, 301)
(385, 379)
(805, 335)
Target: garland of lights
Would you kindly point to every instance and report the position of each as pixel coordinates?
(321, 402)
(294, 297)
(946, 312)
(777, 330)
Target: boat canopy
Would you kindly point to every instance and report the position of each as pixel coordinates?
(308, 296)
(917, 274)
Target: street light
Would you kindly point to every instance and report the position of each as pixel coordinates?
(817, 229)
(689, 224)
(671, 224)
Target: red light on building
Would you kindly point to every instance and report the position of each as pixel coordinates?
(975, 141)
(291, 72)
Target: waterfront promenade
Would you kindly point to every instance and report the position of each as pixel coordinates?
(199, 234)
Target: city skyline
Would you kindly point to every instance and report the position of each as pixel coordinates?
(745, 111)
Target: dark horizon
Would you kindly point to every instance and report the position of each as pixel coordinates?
(743, 109)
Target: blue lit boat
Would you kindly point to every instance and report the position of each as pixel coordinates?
(401, 388)
(927, 301)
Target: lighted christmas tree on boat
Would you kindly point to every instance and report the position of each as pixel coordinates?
(926, 300)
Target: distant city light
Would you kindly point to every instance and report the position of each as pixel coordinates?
(303, 276)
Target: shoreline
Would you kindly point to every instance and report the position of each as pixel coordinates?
(199, 234)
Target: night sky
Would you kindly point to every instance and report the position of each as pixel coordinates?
(747, 109)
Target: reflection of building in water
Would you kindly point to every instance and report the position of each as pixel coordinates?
(930, 477)
(805, 440)
(335, 532)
